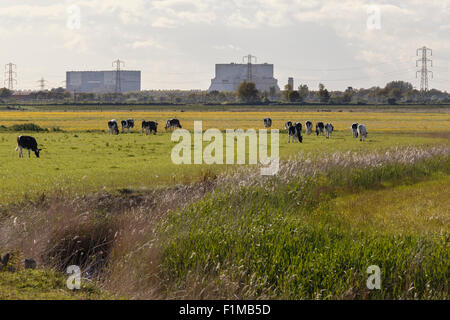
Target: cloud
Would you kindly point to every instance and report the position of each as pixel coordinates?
(146, 44)
(204, 31)
(227, 47)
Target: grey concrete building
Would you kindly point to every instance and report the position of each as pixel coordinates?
(102, 81)
(230, 76)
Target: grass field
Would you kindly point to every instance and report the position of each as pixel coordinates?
(198, 231)
(77, 161)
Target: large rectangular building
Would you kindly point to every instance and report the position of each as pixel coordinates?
(103, 81)
(230, 76)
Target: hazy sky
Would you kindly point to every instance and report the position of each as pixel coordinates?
(175, 43)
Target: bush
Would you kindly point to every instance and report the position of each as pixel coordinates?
(27, 127)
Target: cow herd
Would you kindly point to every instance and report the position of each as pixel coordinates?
(294, 131)
(147, 126)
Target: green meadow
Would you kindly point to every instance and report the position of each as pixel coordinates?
(151, 229)
(80, 162)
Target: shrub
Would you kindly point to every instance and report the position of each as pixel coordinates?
(27, 127)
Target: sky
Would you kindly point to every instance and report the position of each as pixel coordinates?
(176, 43)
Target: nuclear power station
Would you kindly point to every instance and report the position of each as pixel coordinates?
(103, 81)
(230, 76)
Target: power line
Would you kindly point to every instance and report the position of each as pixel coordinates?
(249, 66)
(42, 82)
(118, 63)
(360, 78)
(424, 68)
(10, 73)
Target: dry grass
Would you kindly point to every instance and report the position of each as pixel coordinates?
(149, 244)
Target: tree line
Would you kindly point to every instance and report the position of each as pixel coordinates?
(395, 92)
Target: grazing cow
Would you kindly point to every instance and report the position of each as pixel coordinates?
(355, 130)
(127, 124)
(295, 131)
(328, 129)
(288, 124)
(319, 128)
(267, 123)
(149, 126)
(113, 127)
(29, 143)
(308, 127)
(362, 132)
(172, 123)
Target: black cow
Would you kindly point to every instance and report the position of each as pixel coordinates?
(319, 128)
(127, 124)
(29, 143)
(113, 128)
(355, 130)
(308, 127)
(267, 122)
(149, 126)
(295, 131)
(172, 123)
(288, 124)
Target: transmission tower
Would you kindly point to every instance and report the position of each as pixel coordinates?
(42, 82)
(424, 67)
(249, 66)
(10, 75)
(117, 63)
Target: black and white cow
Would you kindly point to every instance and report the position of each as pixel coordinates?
(149, 126)
(308, 127)
(113, 127)
(127, 124)
(362, 132)
(295, 131)
(267, 123)
(328, 130)
(355, 130)
(172, 123)
(319, 128)
(29, 143)
(288, 124)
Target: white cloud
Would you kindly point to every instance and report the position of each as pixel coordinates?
(198, 30)
(146, 44)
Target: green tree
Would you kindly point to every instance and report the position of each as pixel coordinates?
(247, 92)
(5, 93)
(294, 96)
(303, 92)
(272, 92)
(287, 90)
(323, 94)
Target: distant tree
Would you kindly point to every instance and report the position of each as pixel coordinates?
(303, 92)
(287, 90)
(272, 92)
(5, 93)
(294, 96)
(348, 95)
(247, 92)
(402, 85)
(395, 93)
(392, 101)
(323, 94)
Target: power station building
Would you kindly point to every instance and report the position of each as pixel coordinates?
(103, 81)
(230, 76)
